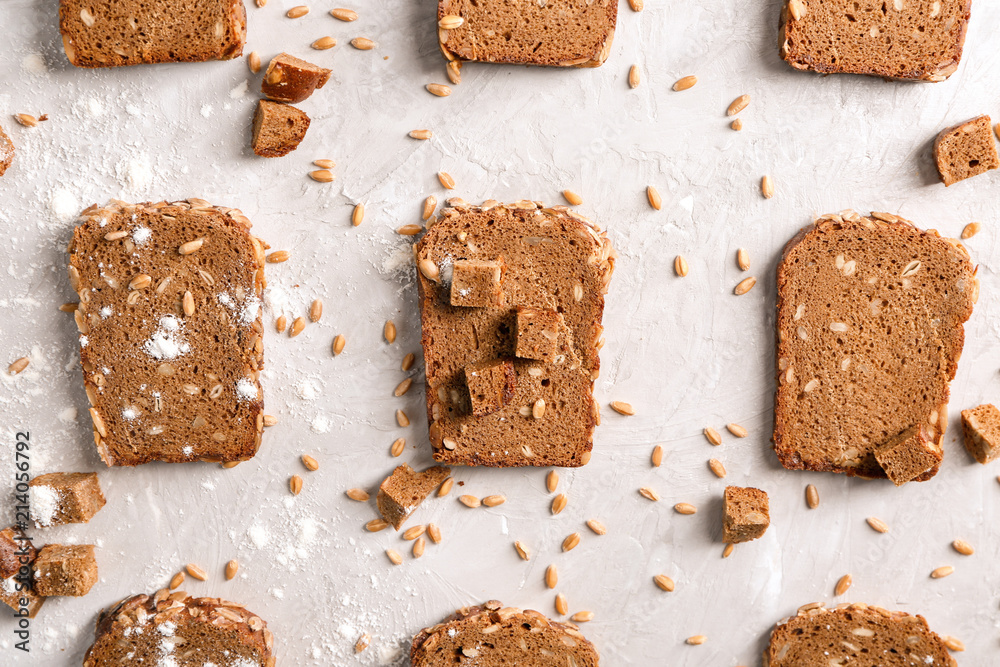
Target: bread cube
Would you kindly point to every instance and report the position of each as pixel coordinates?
(291, 79)
(15, 552)
(491, 385)
(65, 497)
(278, 128)
(908, 455)
(537, 333)
(981, 426)
(476, 283)
(65, 570)
(745, 514)
(403, 491)
(965, 150)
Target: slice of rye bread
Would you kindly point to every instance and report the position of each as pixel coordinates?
(6, 152)
(898, 39)
(291, 79)
(135, 32)
(869, 333)
(981, 428)
(857, 635)
(966, 150)
(181, 631)
(278, 128)
(555, 260)
(170, 333)
(493, 635)
(562, 33)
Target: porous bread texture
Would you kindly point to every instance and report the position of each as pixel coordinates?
(17, 555)
(745, 514)
(491, 385)
(898, 39)
(401, 493)
(134, 32)
(494, 636)
(562, 33)
(65, 570)
(908, 455)
(857, 635)
(164, 385)
(555, 260)
(291, 79)
(278, 128)
(6, 152)
(77, 496)
(184, 630)
(966, 150)
(869, 333)
(981, 428)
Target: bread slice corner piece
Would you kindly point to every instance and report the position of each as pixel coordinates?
(556, 263)
(491, 634)
(401, 493)
(966, 150)
(130, 32)
(869, 333)
(161, 629)
(875, 37)
(560, 33)
(278, 128)
(170, 325)
(981, 428)
(291, 79)
(855, 634)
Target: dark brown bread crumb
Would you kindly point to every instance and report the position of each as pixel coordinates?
(78, 496)
(745, 514)
(493, 635)
(870, 329)
(193, 632)
(908, 455)
(856, 635)
(65, 570)
(278, 128)
(6, 152)
(565, 33)
(981, 427)
(555, 261)
(491, 385)
(899, 39)
(133, 32)
(165, 384)
(965, 150)
(291, 79)
(401, 493)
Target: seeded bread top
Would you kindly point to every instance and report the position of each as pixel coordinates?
(493, 636)
(186, 631)
(900, 39)
(870, 315)
(856, 635)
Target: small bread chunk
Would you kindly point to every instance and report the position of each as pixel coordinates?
(898, 39)
(65, 570)
(981, 427)
(6, 152)
(908, 455)
(65, 497)
(170, 323)
(291, 79)
(745, 513)
(537, 333)
(965, 150)
(134, 32)
(403, 491)
(491, 385)
(858, 635)
(278, 128)
(477, 283)
(562, 33)
(17, 554)
(494, 635)
(869, 333)
(181, 631)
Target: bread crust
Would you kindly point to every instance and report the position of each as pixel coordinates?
(989, 159)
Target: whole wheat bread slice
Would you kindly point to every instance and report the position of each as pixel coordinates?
(857, 635)
(181, 631)
(170, 330)
(870, 330)
(495, 636)
(135, 32)
(555, 260)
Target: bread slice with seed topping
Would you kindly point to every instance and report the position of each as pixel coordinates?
(857, 635)
(554, 261)
(869, 333)
(134, 32)
(181, 631)
(966, 150)
(495, 635)
(170, 330)
(898, 39)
